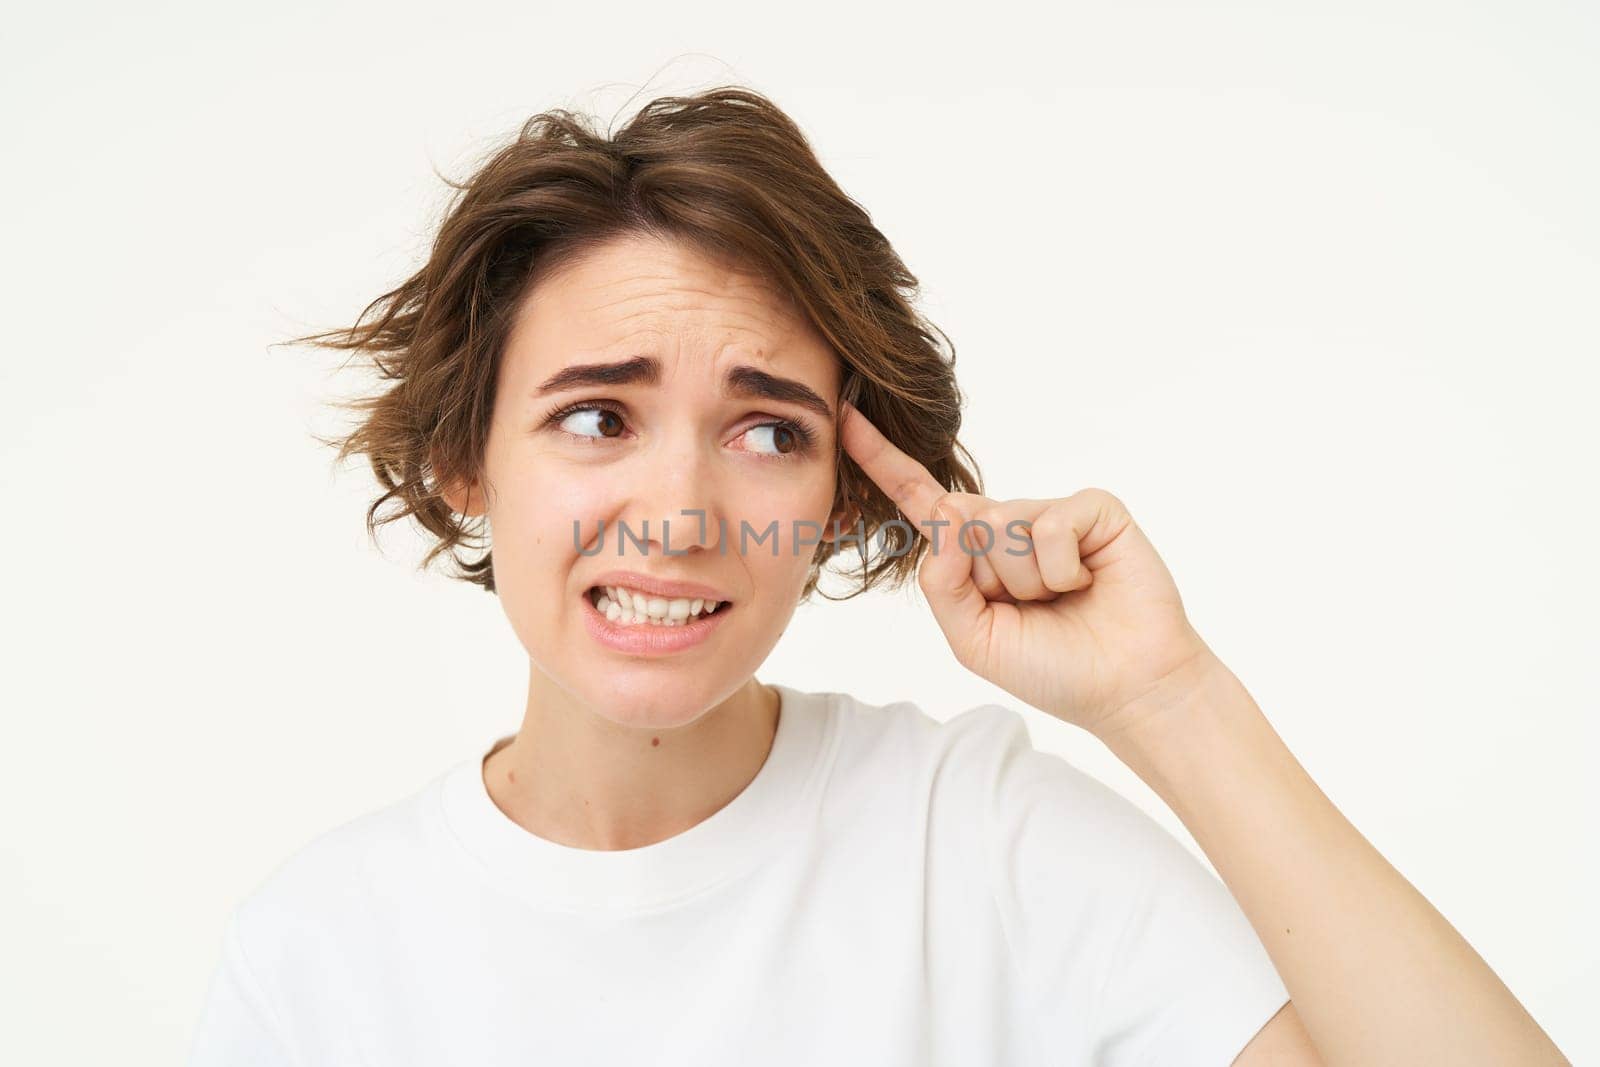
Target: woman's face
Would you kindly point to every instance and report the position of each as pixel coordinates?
(729, 408)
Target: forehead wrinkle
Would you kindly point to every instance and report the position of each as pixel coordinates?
(634, 260)
(708, 284)
(682, 299)
(722, 315)
(651, 326)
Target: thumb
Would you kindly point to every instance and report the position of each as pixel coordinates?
(946, 580)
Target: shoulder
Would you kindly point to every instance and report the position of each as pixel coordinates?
(1125, 942)
(984, 752)
(902, 732)
(1049, 839)
(334, 880)
(978, 783)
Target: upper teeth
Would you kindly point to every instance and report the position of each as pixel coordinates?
(620, 604)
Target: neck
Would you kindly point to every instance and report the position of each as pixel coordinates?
(574, 777)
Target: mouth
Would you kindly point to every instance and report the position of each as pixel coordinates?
(623, 606)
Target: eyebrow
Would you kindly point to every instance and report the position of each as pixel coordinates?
(742, 380)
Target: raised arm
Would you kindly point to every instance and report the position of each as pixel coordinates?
(1065, 604)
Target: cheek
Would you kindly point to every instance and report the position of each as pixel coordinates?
(792, 505)
(799, 492)
(532, 523)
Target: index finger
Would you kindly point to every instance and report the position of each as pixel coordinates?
(904, 480)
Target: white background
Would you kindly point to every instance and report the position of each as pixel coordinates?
(1313, 289)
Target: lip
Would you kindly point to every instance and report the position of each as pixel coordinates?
(647, 639)
(661, 587)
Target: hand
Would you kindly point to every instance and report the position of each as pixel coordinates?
(1080, 625)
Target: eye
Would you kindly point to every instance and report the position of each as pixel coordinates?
(776, 437)
(781, 439)
(588, 420)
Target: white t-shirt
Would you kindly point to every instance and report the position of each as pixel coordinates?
(887, 890)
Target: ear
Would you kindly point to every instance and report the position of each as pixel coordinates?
(463, 499)
(466, 501)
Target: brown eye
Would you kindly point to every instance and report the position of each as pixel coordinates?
(593, 422)
(784, 438)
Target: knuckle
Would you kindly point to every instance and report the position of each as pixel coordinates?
(1051, 526)
(979, 537)
(945, 501)
(1100, 496)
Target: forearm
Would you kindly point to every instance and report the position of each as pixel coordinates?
(1376, 973)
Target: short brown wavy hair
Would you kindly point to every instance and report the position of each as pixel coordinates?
(724, 170)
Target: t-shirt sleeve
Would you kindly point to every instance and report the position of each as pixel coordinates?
(238, 1027)
(1131, 951)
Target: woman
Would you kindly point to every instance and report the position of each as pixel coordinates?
(675, 372)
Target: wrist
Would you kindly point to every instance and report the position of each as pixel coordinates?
(1199, 707)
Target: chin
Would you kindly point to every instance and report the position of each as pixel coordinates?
(650, 700)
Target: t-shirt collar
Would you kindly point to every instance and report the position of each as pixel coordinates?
(719, 848)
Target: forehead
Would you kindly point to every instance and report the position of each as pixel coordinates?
(641, 294)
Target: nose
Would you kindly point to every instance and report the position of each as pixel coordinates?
(674, 484)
